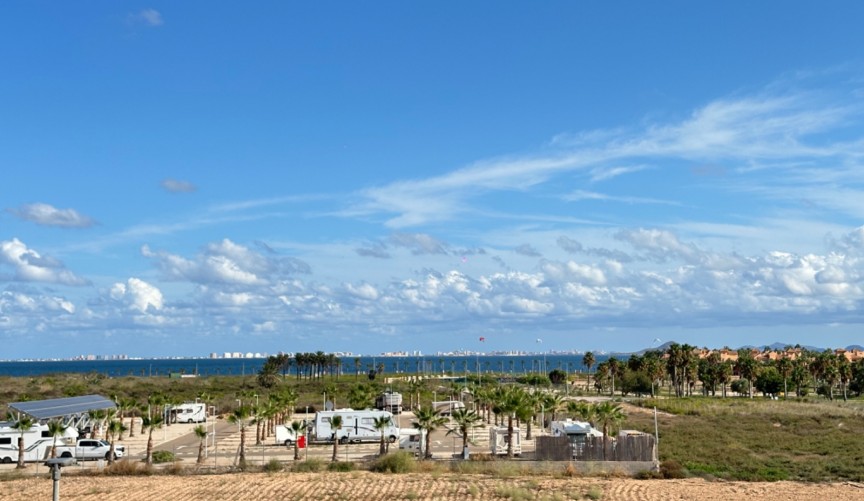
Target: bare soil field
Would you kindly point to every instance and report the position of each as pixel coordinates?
(364, 486)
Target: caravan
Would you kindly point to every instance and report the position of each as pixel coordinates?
(189, 412)
(357, 426)
(498, 441)
(576, 431)
(412, 440)
(37, 442)
(389, 401)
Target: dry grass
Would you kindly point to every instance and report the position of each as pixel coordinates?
(365, 485)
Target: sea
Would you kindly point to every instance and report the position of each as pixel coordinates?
(203, 367)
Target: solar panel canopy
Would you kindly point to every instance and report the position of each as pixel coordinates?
(59, 407)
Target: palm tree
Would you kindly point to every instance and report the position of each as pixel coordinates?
(784, 367)
(114, 428)
(97, 416)
(588, 361)
(336, 425)
(381, 424)
(201, 433)
(465, 420)
(129, 404)
(56, 428)
(23, 424)
(614, 368)
(609, 414)
(151, 423)
(240, 417)
(429, 420)
(297, 426)
(583, 411)
(748, 368)
(527, 412)
(510, 401)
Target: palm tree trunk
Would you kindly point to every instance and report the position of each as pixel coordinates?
(200, 452)
(111, 453)
(131, 426)
(149, 458)
(20, 452)
(510, 436)
(335, 449)
(296, 450)
(242, 445)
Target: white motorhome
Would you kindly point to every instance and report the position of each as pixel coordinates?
(189, 412)
(576, 431)
(389, 401)
(357, 426)
(412, 440)
(37, 442)
(446, 407)
(498, 441)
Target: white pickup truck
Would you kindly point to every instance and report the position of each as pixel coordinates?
(90, 448)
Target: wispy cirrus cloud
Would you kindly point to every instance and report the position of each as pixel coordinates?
(147, 17)
(177, 186)
(48, 215)
(579, 195)
(781, 126)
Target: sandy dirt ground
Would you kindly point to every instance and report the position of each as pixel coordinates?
(371, 486)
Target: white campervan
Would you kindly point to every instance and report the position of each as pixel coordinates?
(357, 426)
(189, 412)
(37, 442)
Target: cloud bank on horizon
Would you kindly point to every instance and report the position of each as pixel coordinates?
(737, 220)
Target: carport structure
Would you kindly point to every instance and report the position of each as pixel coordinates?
(72, 411)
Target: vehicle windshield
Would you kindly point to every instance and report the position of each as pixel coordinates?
(105, 442)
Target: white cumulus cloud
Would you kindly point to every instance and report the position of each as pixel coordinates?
(30, 266)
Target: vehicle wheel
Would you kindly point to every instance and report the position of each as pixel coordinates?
(108, 456)
(66, 455)
(288, 443)
(7, 460)
(343, 440)
(392, 439)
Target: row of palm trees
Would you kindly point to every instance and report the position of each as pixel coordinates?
(681, 367)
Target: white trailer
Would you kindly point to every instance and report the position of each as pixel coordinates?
(412, 440)
(189, 412)
(576, 431)
(37, 442)
(498, 441)
(357, 426)
(446, 407)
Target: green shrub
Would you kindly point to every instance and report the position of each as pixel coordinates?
(672, 469)
(340, 466)
(163, 457)
(398, 462)
(594, 493)
(272, 466)
(308, 466)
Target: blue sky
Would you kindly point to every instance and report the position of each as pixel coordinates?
(188, 177)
